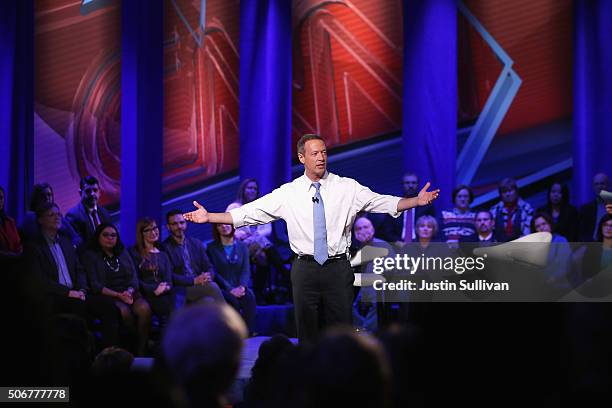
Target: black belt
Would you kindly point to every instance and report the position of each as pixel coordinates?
(310, 258)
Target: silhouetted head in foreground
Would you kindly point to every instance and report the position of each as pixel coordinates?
(201, 351)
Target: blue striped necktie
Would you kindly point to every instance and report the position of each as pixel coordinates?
(320, 231)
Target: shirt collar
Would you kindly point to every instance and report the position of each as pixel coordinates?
(51, 239)
(323, 181)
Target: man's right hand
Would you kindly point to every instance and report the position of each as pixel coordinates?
(199, 216)
(76, 294)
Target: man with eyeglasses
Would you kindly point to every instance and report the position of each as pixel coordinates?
(87, 215)
(54, 261)
(192, 271)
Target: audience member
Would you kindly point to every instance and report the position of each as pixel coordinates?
(68, 351)
(364, 306)
(154, 270)
(112, 361)
(591, 212)
(54, 260)
(261, 391)
(512, 214)
(42, 193)
(558, 262)
(484, 229)
(192, 271)
(599, 257)
(87, 215)
(458, 223)
(10, 242)
(564, 215)
(111, 272)
(401, 230)
(405, 348)
(262, 252)
(349, 370)
(231, 260)
(201, 351)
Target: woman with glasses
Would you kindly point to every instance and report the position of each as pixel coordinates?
(154, 270)
(111, 272)
(233, 271)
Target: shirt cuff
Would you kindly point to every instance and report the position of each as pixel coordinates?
(394, 213)
(238, 217)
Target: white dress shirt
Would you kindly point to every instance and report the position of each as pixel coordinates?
(342, 197)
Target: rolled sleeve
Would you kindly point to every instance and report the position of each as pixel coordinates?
(369, 201)
(261, 211)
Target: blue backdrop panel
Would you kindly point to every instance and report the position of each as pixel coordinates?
(592, 94)
(141, 112)
(265, 92)
(16, 101)
(429, 122)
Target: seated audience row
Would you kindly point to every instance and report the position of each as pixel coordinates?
(511, 216)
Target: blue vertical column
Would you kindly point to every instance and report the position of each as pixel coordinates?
(429, 121)
(141, 112)
(16, 102)
(265, 91)
(592, 152)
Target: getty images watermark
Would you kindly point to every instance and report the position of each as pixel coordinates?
(406, 264)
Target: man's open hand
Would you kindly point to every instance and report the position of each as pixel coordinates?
(426, 197)
(200, 215)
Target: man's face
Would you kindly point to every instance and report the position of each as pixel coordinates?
(177, 226)
(509, 195)
(364, 230)
(411, 185)
(484, 223)
(600, 182)
(250, 191)
(314, 158)
(51, 220)
(90, 194)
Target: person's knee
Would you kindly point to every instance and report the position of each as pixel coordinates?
(142, 309)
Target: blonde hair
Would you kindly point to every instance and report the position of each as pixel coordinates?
(427, 219)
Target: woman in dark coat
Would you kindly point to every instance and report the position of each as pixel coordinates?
(111, 272)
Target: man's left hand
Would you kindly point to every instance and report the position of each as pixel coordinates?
(427, 197)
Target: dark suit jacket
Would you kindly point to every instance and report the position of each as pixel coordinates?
(78, 217)
(44, 266)
(391, 228)
(199, 260)
(587, 217)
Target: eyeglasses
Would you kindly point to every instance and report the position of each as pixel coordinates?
(109, 234)
(150, 229)
(54, 214)
(172, 224)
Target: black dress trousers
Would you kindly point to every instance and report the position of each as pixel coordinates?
(322, 295)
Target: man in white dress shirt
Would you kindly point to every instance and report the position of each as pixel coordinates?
(319, 208)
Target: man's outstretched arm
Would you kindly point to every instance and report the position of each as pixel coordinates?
(424, 198)
(201, 216)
